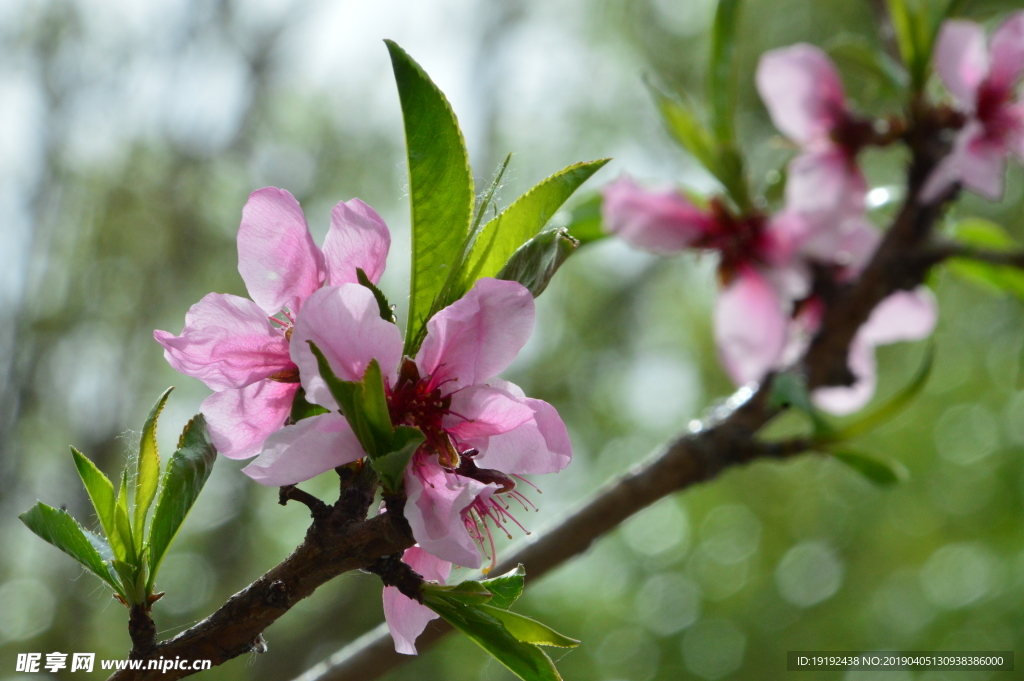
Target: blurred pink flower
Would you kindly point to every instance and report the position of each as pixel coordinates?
(405, 617)
(239, 347)
(805, 99)
(983, 82)
(479, 429)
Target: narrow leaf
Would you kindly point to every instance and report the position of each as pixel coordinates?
(894, 406)
(877, 471)
(187, 472)
(790, 390)
(721, 79)
(148, 470)
(686, 127)
(122, 521)
(60, 529)
(855, 51)
(386, 312)
(303, 409)
(375, 405)
(101, 493)
(525, 660)
(529, 630)
(440, 185)
(522, 220)
(506, 588)
(998, 279)
(536, 261)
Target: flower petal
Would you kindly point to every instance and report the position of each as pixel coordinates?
(312, 446)
(976, 160)
(903, 316)
(1008, 52)
(476, 337)
(436, 500)
(405, 617)
(482, 411)
(825, 185)
(843, 400)
(962, 60)
(240, 420)
(358, 238)
(802, 91)
(278, 261)
(227, 342)
(750, 327)
(538, 445)
(344, 322)
(660, 222)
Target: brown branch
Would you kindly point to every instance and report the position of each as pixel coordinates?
(901, 262)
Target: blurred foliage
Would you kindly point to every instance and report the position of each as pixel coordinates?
(146, 130)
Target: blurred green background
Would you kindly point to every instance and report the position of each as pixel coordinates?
(130, 136)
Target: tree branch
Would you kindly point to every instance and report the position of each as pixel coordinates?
(901, 262)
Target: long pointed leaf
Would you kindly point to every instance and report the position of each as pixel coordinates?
(60, 529)
(440, 185)
(528, 630)
(522, 220)
(721, 79)
(101, 493)
(148, 470)
(186, 473)
(122, 521)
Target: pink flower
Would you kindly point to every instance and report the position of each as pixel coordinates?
(405, 617)
(481, 432)
(805, 99)
(903, 316)
(239, 347)
(982, 81)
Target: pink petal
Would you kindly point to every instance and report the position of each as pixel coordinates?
(240, 420)
(278, 261)
(962, 60)
(358, 238)
(476, 337)
(903, 316)
(405, 617)
(975, 160)
(750, 327)
(802, 91)
(312, 446)
(227, 342)
(436, 500)
(483, 411)
(843, 400)
(344, 322)
(825, 185)
(660, 222)
(538, 445)
(849, 245)
(1008, 52)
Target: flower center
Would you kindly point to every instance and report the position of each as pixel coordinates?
(739, 240)
(990, 109)
(412, 402)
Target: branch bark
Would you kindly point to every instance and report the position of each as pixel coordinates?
(345, 540)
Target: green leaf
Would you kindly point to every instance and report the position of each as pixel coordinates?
(390, 467)
(721, 79)
(516, 225)
(892, 407)
(877, 471)
(468, 592)
(122, 521)
(506, 588)
(148, 470)
(529, 630)
(386, 312)
(440, 186)
(685, 126)
(374, 403)
(101, 493)
(187, 472)
(536, 261)
(303, 409)
(585, 221)
(916, 25)
(998, 279)
(60, 529)
(859, 53)
(525, 660)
